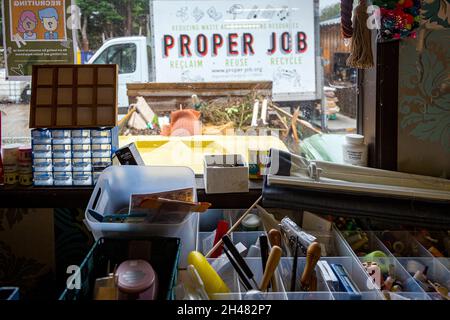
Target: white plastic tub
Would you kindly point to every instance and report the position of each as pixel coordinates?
(112, 193)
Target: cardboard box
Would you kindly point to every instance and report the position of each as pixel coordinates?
(129, 155)
(225, 173)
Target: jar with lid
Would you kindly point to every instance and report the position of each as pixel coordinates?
(354, 150)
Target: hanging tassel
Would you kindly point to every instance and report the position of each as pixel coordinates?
(346, 18)
(361, 47)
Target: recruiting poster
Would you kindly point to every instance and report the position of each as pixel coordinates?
(247, 40)
(36, 32)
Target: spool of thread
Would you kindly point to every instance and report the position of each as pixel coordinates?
(212, 281)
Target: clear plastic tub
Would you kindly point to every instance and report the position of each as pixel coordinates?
(81, 164)
(62, 151)
(62, 165)
(101, 162)
(81, 151)
(101, 151)
(42, 178)
(62, 178)
(402, 244)
(112, 193)
(210, 219)
(41, 136)
(42, 165)
(61, 136)
(82, 178)
(81, 136)
(255, 266)
(436, 271)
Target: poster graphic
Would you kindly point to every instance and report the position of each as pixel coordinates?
(36, 32)
(249, 40)
(38, 20)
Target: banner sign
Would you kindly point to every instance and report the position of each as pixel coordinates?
(36, 32)
(222, 41)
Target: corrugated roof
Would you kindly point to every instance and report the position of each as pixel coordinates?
(332, 21)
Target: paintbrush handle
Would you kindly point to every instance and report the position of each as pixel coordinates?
(275, 237)
(272, 263)
(235, 225)
(312, 256)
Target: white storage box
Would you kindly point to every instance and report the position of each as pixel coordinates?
(112, 194)
(225, 173)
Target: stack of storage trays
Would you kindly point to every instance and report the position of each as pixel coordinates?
(72, 157)
(335, 249)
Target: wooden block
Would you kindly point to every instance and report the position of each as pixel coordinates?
(85, 96)
(44, 96)
(43, 117)
(84, 116)
(105, 115)
(70, 95)
(45, 76)
(106, 75)
(65, 76)
(64, 96)
(85, 76)
(64, 116)
(105, 96)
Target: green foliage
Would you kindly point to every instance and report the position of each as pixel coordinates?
(330, 11)
(109, 18)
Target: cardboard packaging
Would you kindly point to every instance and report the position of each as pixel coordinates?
(225, 173)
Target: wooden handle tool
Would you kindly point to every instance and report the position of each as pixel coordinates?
(275, 237)
(235, 225)
(272, 263)
(312, 256)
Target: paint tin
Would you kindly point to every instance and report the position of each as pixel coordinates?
(26, 179)
(25, 154)
(25, 167)
(11, 178)
(10, 168)
(10, 154)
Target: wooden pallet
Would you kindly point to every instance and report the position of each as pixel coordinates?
(166, 97)
(73, 96)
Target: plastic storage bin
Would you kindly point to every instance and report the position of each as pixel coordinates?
(112, 194)
(163, 256)
(9, 293)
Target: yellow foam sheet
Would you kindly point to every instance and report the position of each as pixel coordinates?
(190, 151)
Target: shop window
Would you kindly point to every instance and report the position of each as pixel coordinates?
(124, 55)
(323, 120)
